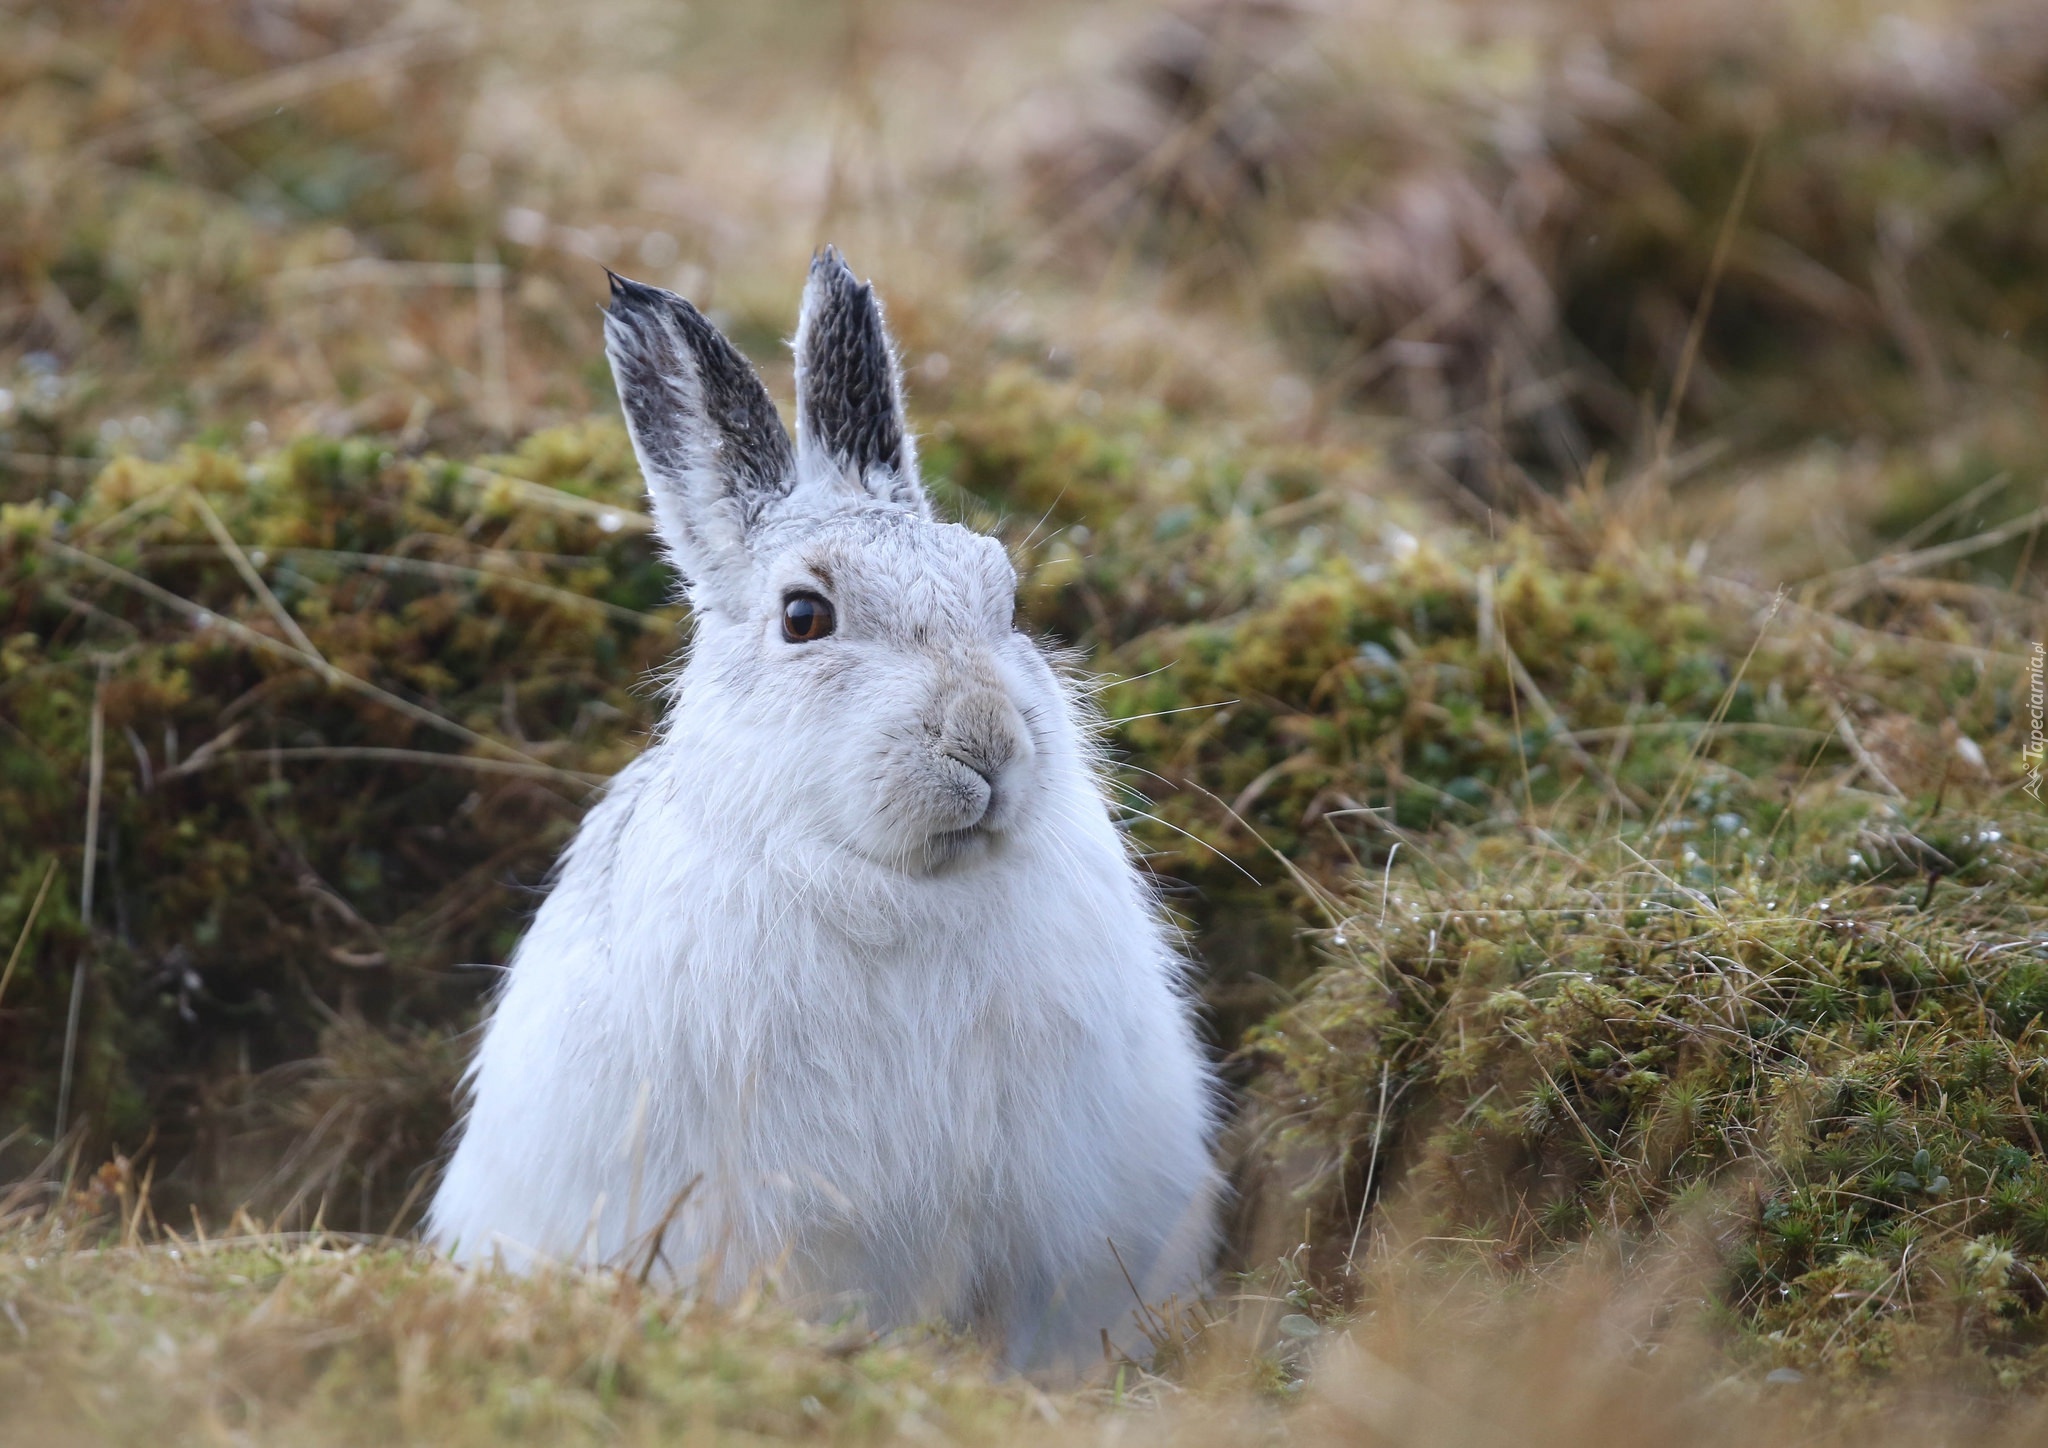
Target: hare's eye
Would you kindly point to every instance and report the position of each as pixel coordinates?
(806, 618)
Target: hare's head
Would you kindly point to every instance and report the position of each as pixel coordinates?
(860, 655)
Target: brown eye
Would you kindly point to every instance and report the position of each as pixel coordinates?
(806, 618)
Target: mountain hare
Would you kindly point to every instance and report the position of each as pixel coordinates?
(848, 982)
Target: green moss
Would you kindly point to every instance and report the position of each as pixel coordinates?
(1581, 1034)
(239, 893)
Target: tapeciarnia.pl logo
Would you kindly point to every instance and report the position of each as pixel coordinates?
(2037, 696)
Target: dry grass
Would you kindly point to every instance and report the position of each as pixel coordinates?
(313, 1339)
(126, 1334)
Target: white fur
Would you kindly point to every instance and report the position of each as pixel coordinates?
(790, 1012)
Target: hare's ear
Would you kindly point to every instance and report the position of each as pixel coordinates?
(849, 388)
(711, 448)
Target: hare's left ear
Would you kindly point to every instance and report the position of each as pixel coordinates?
(849, 388)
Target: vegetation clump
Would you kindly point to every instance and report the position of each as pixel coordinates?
(1815, 1027)
(331, 708)
(320, 1340)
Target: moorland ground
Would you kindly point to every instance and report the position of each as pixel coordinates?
(1546, 499)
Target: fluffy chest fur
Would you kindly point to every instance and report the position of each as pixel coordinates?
(837, 1069)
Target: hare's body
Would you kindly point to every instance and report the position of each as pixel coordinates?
(848, 982)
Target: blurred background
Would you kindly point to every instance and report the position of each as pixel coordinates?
(327, 599)
(1478, 231)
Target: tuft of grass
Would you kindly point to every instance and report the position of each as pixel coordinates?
(315, 1339)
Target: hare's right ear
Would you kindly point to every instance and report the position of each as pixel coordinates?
(849, 389)
(710, 445)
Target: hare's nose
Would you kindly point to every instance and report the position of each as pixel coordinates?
(983, 730)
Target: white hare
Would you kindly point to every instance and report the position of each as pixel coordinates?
(849, 980)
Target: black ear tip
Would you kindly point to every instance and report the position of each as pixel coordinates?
(627, 287)
(827, 264)
(629, 295)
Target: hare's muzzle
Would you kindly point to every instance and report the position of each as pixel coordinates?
(983, 735)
